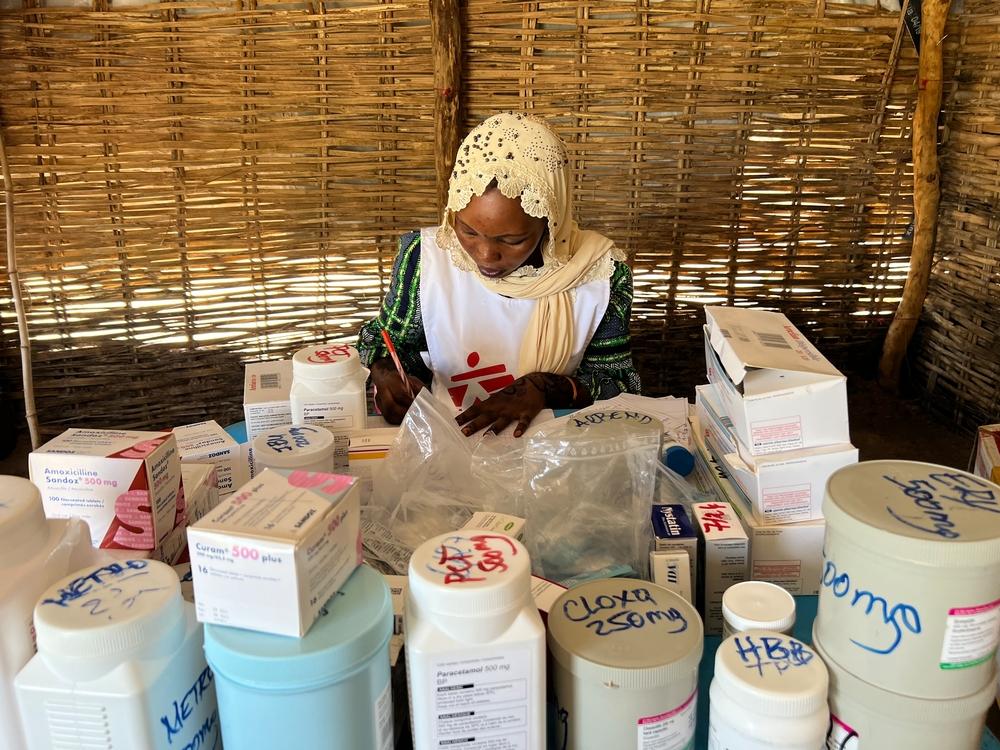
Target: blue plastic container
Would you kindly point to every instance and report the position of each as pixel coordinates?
(329, 689)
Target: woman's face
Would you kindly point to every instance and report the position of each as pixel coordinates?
(497, 234)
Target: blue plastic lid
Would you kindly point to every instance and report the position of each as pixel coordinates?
(353, 625)
(679, 458)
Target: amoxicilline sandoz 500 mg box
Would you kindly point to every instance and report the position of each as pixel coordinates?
(271, 554)
(125, 484)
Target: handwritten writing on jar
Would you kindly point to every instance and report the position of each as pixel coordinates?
(100, 578)
(608, 614)
(183, 708)
(933, 494)
(779, 653)
(900, 617)
(471, 559)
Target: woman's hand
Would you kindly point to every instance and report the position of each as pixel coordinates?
(391, 397)
(520, 402)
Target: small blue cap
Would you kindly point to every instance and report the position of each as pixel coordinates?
(680, 459)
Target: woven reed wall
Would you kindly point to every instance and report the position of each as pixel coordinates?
(957, 354)
(197, 183)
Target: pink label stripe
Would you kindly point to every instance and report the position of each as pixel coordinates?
(845, 726)
(669, 714)
(974, 610)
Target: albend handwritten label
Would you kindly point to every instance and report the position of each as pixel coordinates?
(109, 591)
(766, 652)
(608, 614)
(934, 496)
(600, 417)
(472, 559)
(902, 618)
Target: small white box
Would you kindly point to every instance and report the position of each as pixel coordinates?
(783, 487)
(201, 492)
(789, 555)
(673, 531)
(207, 443)
(115, 480)
(266, 392)
(779, 391)
(986, 458)
(275, 551)
(368, 449)
(672, 570)
(726, 551)
(498, 523)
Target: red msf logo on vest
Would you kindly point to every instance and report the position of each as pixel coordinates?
(485, 380)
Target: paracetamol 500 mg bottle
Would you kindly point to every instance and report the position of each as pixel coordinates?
(625, 659)
(328, 387)
(768, 693)
(34, 554)
(475, 644)
(119, 665)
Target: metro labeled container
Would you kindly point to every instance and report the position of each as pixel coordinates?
(625, 659)
(301, 446)
(329, 688)
(865, 717)
(769, 693)
(328, 387)
(475, 644)
(119, 665)
(34, 554)
(909, 601)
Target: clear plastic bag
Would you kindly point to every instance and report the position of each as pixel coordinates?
(435, 478)
(589, 482)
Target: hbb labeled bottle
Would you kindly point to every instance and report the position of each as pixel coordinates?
(475, 644)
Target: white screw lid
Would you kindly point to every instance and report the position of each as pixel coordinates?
(771, 673)
(328, 361)
(22, 518)
(293, 445)
(98, 617)
(758, 605)
(470, 573)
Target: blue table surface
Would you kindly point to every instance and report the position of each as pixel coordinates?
(805, 614)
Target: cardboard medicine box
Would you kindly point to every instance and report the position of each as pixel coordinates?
(271, 554)
(673, 531)
(201, 491)
(986, 460)
(266, 396)
(726, 552)
(125, 484)
(779, 391)
(498, 523)
(206, 442)
(672, 570)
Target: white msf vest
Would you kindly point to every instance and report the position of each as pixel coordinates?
(474, 334)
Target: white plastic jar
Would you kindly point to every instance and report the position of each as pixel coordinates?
(34, 554)
(328, 387)
(475, 644)
(625, 657)
(305, 447)
(119, 665)
(769, 693)
(757, 605)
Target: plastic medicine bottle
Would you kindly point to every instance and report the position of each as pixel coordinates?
(328, 387)
(475, 644)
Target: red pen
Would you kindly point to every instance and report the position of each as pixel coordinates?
(399, 365)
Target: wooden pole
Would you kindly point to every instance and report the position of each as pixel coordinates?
(446, 43)
(926, 191)
(15, 288)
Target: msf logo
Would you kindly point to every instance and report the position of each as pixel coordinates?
(479, 382)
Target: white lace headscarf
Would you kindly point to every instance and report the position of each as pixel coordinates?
(529, 161)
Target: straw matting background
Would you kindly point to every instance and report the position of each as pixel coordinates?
(198, 183)
(957, 356)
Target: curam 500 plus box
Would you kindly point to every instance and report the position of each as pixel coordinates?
(271, 554)
(124, 484)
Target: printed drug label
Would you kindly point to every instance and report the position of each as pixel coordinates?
(673, 730)
(841, 736)
(970, 636)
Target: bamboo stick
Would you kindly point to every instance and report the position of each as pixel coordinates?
(926, 192)
(446, 44)
(30, 413)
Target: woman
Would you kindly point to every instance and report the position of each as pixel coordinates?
(507, 307)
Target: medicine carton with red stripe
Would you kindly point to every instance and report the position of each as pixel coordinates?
(125, 484)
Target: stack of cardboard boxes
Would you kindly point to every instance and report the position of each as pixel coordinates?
(773, 425)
